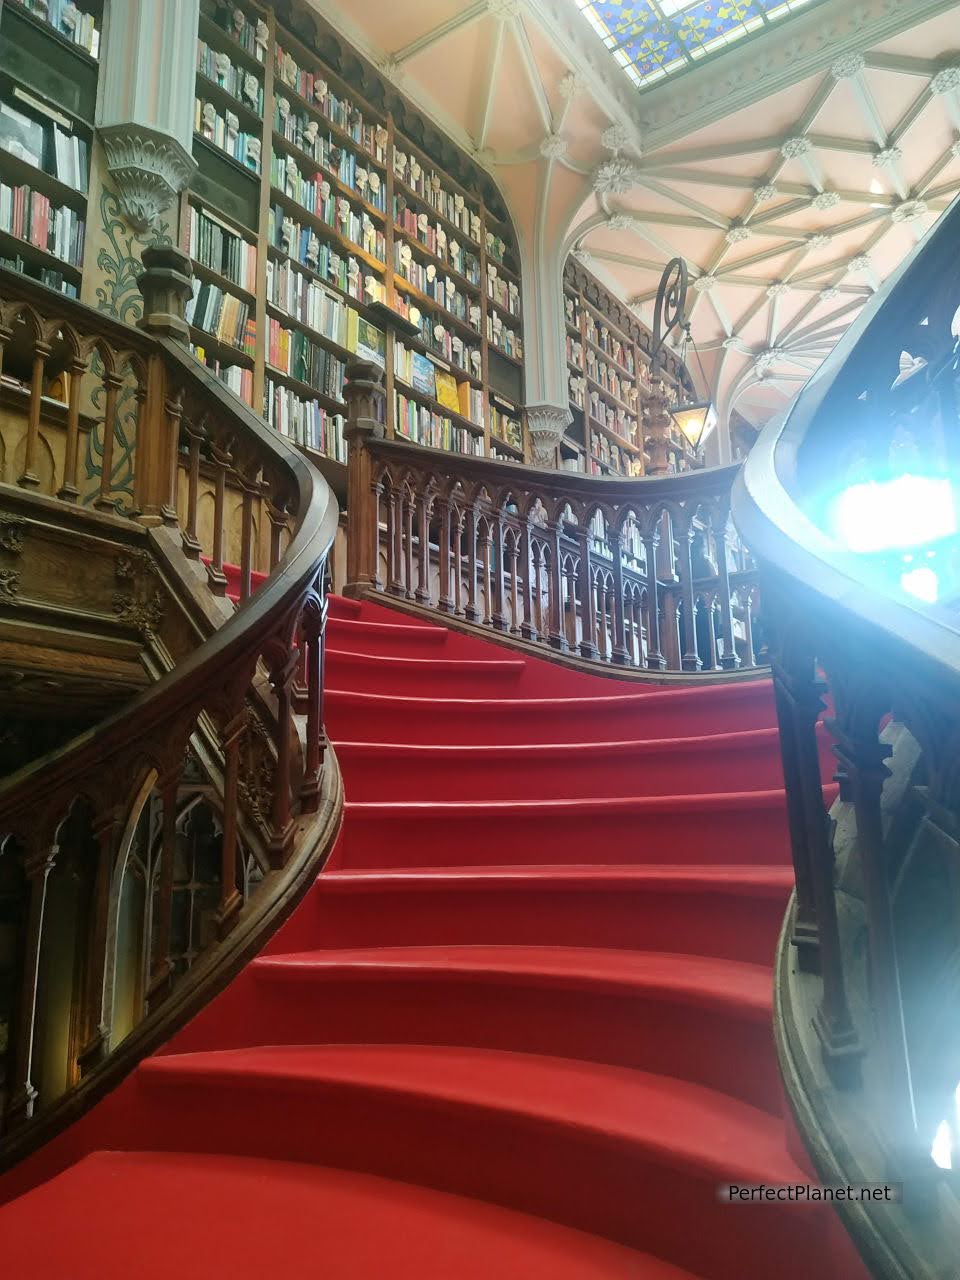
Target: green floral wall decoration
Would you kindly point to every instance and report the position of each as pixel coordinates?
(118, 264)
(119, 260)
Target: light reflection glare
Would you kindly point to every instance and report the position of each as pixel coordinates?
(904, 512)
(921, 583)
(942, 1149)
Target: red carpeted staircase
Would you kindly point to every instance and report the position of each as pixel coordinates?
(520, 1027)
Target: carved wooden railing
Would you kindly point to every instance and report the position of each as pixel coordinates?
(635, 574)
(140, 863)
(868, 977)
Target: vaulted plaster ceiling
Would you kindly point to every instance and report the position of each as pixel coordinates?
(793, 172)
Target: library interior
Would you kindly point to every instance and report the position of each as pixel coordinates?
(479, 639)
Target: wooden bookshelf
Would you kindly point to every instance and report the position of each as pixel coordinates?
(417, 207)
(608, 376)
(50, 79)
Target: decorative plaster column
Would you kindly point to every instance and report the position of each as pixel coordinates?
(545, 356)
(146, 103)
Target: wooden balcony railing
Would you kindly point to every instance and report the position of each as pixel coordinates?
(867, 985)
(141, 862)
(641, 575)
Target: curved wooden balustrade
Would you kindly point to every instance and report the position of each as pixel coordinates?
(142, 862)
(868, 990)
(641, 575)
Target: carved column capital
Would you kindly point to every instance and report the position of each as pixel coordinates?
(546, 424)
(149, 169)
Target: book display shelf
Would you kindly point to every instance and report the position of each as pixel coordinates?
(328, 220)
(608, 379)
(48, 90)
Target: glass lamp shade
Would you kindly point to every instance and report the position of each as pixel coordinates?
(695, 422)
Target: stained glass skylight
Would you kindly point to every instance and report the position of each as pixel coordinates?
(652, 39)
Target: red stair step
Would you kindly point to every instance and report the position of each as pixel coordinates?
(749, 827)
(303, 1220)
(376, 672)
(727, 911)
(398, 638)
(693, 1017)
(624, 1154)
(378, 771)
(681, 712)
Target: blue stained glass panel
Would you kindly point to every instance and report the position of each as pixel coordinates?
(652, 39)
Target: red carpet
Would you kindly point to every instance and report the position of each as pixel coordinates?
(520, 1027)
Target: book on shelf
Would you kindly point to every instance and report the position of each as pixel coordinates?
(292, 352)
(422, 425)
(340, 111)
(236, 81)
(215, 245)
(44, 275)
(250, 36)
(448, 393)
(21, 135)
(305, 422)
(69, 20)
(238, 379)
(29, 215)
(223, 315)
(365, 340)
(224, 132)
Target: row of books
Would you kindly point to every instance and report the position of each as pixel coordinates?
(305, 422)
(416, 422)
(327, 313)
(237, 81)
(435, 335)
(577, 388)
(250, 36)
(241, 146)
(497, 249)
(430, 187)
(223, 315)
(34, 136)
(215, 245)
(621, 352)
(336, 268)
(574, 351)
(290, 351)
(506, 426)
(435, 240)
(69, 20)
(422, 374)
(503, 338)
(235, 376)
(612, 456)
(28, 215)
(441, 289)
(606, 376)
(353, 171)
(341, 112)
(613, 419)
(571, 310)
(504, 293)
(316, 196)
(44, 275)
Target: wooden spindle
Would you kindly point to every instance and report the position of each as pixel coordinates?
(161, 968)
(690, 659)
(730, 659)
(22, 1096)
(112, 383)
(471, 612)
(216, 577)
(281, 838)
(28, 478)
(96, 1032)
(749, 661)
(528, 627)
(168, 505)
(588, 609)
(188, 534)
(424, 593)
(555, 637)
(69, 491)
(246, 540)
(618, 647)
(655, 660)
(444, 550)
(313, 627)
(231, 899)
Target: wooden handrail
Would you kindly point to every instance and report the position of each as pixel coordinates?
(642, 575)
(214, 738)
(888, 666)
